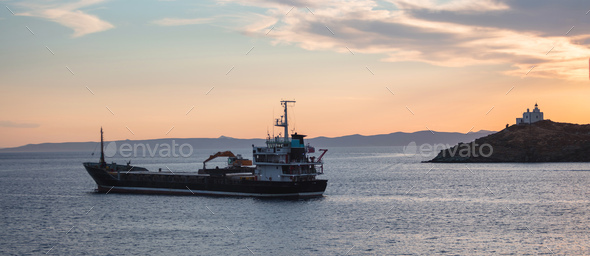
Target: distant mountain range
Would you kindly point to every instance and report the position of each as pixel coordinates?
(228, 143)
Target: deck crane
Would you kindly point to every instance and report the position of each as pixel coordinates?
(232, 161)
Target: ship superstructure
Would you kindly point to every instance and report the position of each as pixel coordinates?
(284, 159)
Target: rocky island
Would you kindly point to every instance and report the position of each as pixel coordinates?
(542, 141)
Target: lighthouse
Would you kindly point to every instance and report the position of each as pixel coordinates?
(529, 117)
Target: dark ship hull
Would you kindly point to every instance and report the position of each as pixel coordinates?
(112, 178)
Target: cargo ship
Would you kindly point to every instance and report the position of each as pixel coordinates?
(284, 167)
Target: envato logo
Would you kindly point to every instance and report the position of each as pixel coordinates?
(462, 150)
(143, 150)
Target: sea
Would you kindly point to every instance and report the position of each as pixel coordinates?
(379, 201)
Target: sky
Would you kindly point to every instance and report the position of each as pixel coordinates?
(187, 69)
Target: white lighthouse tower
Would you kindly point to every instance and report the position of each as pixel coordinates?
(530, 117)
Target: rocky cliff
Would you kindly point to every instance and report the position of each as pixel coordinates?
(543, 141)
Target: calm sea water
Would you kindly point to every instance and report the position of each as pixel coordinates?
(378, 202)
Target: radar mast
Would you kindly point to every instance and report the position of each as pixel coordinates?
(284, 121)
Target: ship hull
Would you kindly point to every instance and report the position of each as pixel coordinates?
(193, 184)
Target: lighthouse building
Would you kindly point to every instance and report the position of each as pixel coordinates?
(530, 117)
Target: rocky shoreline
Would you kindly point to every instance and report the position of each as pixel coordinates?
(543, 141)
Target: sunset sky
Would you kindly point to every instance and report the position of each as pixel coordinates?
(186, 69)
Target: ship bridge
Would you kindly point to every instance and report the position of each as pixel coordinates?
(286, 159)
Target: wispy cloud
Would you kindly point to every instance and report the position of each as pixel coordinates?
(180, 22)
(11, 124)
(451, 33)
(69, 15)
(454, 6)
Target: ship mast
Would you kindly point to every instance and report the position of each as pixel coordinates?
(102, 162)
(284, 121)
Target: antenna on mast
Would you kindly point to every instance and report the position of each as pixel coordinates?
(294, 119)
(284, 120)
(102, 162)
(273, 128)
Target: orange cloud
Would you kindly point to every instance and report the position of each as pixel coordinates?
(404, 35)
